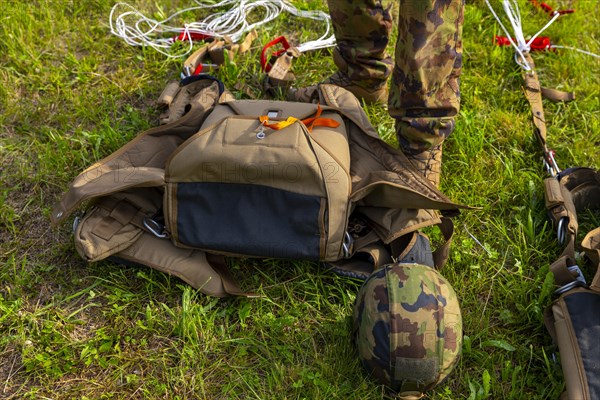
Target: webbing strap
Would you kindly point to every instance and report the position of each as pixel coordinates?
(533, 94)
(441, 254)
(557, 95)
(212, 54)
(560, 207)
(278, 65)
(310, 122)
(219, 264)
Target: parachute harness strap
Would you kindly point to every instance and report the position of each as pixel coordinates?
(561, 187)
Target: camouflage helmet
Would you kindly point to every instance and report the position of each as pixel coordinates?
(408, 328)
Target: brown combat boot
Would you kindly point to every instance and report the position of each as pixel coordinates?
(429, 163)
(369, 96)
(376, 95)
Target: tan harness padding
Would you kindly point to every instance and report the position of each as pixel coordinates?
(205, 272)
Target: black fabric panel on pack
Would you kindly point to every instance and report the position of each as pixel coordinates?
(246, 219)
(584, 310)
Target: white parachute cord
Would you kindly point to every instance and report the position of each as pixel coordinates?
(232, 24)
(554, 18)
(589, 53)
(514, 17)
(140, 33)
(326, 40)
(509, 37)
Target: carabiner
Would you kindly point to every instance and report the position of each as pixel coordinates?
(76, 222)
(347, 244)
(578, 282)
(561, 230)
(155, 228)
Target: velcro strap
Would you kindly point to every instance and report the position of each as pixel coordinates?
(121, 214)
(576, 189)
(559, 204)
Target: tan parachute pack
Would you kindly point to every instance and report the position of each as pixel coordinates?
(254, 178)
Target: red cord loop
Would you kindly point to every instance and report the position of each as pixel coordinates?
(539, 43)
(266, 65)
(550, 10)
(185, 36)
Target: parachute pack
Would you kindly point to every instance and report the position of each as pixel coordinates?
(256, 178)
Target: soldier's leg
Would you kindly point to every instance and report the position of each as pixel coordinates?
(424, 95)
(362, 30)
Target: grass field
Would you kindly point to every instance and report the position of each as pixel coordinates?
(70, 94)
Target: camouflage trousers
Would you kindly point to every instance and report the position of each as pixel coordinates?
(424, 94)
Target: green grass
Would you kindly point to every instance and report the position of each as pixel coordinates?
(70, 94)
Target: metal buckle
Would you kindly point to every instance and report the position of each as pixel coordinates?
(187, 72)
(578, 282)
(154, 228)
(347, 244)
